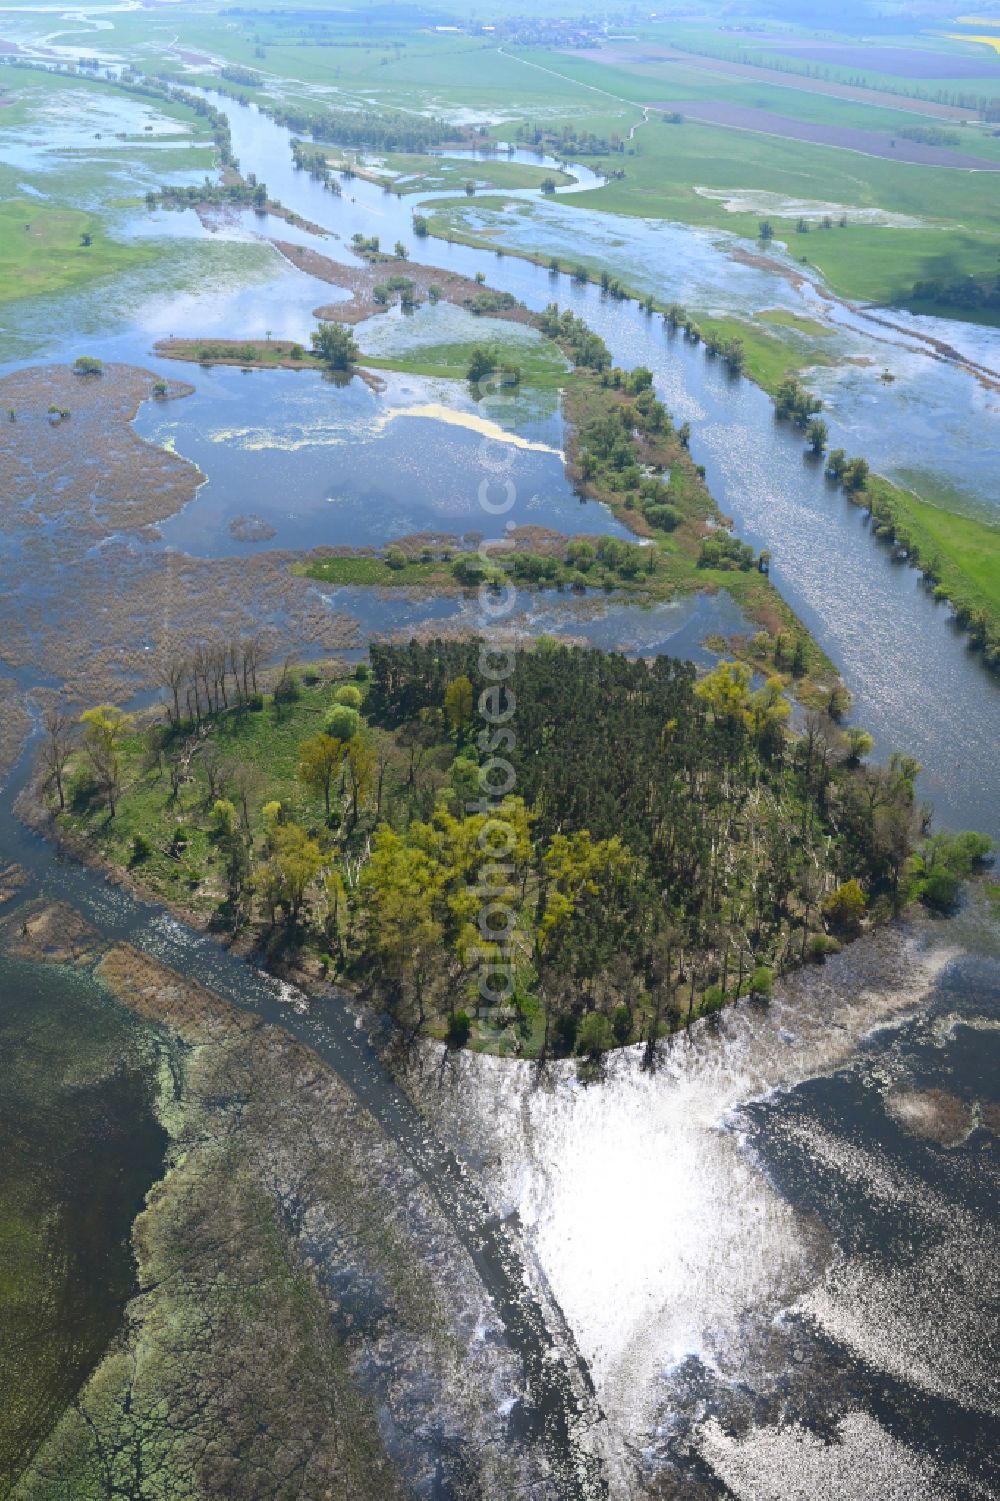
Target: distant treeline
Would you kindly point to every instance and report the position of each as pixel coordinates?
(380, 130)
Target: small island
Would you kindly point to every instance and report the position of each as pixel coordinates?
(633, 849)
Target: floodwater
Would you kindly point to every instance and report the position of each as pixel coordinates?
(916, 684)
(771, 1251)
(775, 1250)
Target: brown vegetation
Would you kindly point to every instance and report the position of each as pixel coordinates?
(361, 281)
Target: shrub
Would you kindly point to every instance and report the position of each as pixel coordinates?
(348, 694)
(761, 981)
(395, 558)
(941, 891)
(141, 848)
(459, 1029)
(343, 723)
(595, 1035)
(713, 1000)
(287, 690)
(846, 906)
(621, 1025)
(565, 1030)
(663, 516)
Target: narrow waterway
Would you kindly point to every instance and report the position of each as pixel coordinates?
(557, 1413)
(763, 1246)
(916, 684)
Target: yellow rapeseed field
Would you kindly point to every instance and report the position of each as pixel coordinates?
(987, 41)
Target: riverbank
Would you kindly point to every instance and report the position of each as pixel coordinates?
(364, 1303)
(286, 820)
(963, 554)
(257, 354)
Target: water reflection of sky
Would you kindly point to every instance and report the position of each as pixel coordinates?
(915, 684)
(342, 465)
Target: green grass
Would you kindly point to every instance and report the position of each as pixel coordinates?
(785, 318)
(540, 363)
(768, 359)
(874, 262)
(266, 740)
(969, 551)
(41, 250)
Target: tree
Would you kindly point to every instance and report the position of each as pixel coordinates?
(817, 434)
(845, 907)
(320, 758)
(60, 735)
(334, 345)
(86, 364)
(343, 722)
(859, 744)
(224, 817)
(459, 1029)
(595, 1035)
(401, 251)
(400, 884)
(360, 773)
(836, 464)
(458, 701)
(765, 231)
(285, 877)
(856, 475)
(548, 184)
(481, 362)
(105, 727)
(726, 692)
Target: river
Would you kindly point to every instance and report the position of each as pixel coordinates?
(768, 1243)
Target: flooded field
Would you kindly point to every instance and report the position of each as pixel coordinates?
(769, 1252)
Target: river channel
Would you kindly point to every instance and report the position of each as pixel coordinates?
(770, 1253)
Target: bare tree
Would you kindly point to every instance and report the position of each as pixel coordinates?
(60, 737)
(245, 781)
(173, 672)
(216, 768)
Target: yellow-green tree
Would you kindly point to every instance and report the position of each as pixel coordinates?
(104, 728)
(290, 869)
(360, 773)
(726, 692)
(846, 906)
(458, 699)
(320, 759)
(400, 885)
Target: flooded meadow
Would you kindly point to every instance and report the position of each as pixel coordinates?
(759, 1269)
